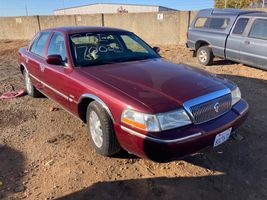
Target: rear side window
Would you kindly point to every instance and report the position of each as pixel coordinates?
(201, 23)
(39, 44)
(33, 45)
(259, 29)
(240, 26)
(212, 23)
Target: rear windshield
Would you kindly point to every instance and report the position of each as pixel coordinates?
(90, 49)
(212, 23)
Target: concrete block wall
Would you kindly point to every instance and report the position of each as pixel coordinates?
(159, 28)
(18, 27)
(155, 28)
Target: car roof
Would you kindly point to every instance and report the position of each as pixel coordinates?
(263, 14)
(228, 11)
(80, 29)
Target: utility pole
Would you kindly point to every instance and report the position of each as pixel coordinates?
(63, 2)
(26, 10)
(263, 3)
(225, 3)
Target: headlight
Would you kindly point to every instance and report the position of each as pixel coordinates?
(173, 119)
(236, 95)
(155, 123)
(139, 120)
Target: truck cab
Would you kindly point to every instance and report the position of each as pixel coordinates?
(232, 34)
(248, 40)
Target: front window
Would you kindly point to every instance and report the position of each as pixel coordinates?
(104, 48)
(259, 29)
(57, 46)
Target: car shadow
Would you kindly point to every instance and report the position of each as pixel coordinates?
(223, 62)
(240, 165)
(122, 154)
(11, 171)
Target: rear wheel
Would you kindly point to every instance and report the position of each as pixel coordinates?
(30, 89)
(205, 55)
(101, 130)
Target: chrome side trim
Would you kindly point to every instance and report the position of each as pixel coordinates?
(96, 98)
(192, 102)
(54, 90)
(132, 132)
(61, 106)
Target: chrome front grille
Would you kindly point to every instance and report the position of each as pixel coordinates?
(210, 106)
(211, 109)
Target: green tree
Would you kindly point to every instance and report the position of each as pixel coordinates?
(233, 3)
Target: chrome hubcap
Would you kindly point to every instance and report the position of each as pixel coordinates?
(203, 56)
(95, 129)
(28, 83)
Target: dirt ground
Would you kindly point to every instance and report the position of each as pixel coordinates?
(45, 152)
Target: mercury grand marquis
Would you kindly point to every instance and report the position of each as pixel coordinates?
(129, 96)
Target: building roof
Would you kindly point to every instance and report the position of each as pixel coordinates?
(80, 29)
(113, 4)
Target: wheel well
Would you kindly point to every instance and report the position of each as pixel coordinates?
(201, 43)
(82, 108)
(22, 68)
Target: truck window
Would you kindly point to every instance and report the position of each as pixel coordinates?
(201, 22)
(39, 44)
(212, 23)
(240, 26)
(259, 29)
(57, 46)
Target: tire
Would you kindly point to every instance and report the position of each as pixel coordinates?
(99, 122)
(30, 89)
(205, 55)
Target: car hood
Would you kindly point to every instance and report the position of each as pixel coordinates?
(158, 84)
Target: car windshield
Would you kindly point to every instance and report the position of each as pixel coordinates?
(105, 48)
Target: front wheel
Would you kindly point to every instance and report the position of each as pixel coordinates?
(101, 130)
(205, 55)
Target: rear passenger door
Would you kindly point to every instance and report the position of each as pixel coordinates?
(253, 48)
(37, 58)
(235, 39)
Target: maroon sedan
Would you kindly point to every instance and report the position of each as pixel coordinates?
(128, 95)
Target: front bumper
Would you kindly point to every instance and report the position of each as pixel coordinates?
(174, 144)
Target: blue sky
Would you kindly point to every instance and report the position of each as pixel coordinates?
(46, 7)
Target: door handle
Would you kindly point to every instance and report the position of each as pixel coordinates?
(247, 42)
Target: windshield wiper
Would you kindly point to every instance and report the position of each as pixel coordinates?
(116, 61)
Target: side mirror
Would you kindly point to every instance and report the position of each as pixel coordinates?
(54, 60)
(156, 49)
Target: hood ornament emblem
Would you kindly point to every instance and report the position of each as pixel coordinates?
(216, 107)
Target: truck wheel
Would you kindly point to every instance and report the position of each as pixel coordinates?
(205, 55)
(30, 89)
(101, 130)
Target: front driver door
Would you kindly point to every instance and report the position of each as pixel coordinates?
(235, 39)
(253, 48)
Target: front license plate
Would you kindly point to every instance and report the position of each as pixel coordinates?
(222, 137)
